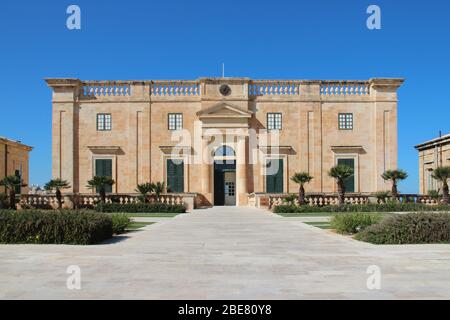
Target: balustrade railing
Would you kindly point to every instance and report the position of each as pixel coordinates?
(319, 200)
(47, 201)
(182, 88)
(274, 88)
(345, 88)
(326, 200)
(88, 201)
(104, 89)
(175, 88)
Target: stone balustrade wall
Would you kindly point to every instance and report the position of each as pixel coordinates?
(256, 88)
(345, 88)
(175, 88)
(326, 200)
(272, 88)
(87, 201)
(106, 88)
(320, 200)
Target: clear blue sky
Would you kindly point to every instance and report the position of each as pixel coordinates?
(321, 39)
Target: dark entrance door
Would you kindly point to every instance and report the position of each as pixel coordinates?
(220, 168)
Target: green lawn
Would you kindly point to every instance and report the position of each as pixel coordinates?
(138, 225)
(153, 215)
(321, 225)
(301, 215)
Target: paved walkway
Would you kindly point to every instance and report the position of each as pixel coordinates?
(226, 253)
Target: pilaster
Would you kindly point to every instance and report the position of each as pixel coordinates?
(65, 130)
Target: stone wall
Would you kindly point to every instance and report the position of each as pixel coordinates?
(14, 156)
(310, 139)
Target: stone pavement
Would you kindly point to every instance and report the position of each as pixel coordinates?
(226, 253)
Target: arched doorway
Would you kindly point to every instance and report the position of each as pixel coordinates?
(225, 176)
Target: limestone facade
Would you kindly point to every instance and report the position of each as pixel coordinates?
(432, 154)
(140, 128)
(14, 158)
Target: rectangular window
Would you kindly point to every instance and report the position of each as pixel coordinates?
(103, 168)
(345, 121)
(175, 176)
(349, 183)
(175, 121)
(274, 176)
(18, 173)
(274, 121)
(103, 122)
(430, 180)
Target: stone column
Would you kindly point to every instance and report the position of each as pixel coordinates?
(206, 170)
(241, 172)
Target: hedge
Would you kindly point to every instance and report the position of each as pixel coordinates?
(412, 228)
(351, 223)
(370, 207)
(120, 223)
(75, 227)
(140, 208)
(3, 201)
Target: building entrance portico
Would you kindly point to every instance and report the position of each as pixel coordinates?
(225, 131)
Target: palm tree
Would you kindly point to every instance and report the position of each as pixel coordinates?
(442, 174)
(11, 183)
(100, 183)
(394, 176)
(301, 178)
(57, 185)
(144, 189)
(158, 188)
(340, 173)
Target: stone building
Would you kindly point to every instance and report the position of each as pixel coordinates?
(432, 154)
(14, 160)
(224, 139)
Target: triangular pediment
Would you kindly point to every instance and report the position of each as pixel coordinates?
(224, 110)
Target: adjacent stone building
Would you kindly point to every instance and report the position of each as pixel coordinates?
(224, 139)
(14, 158)
(432, 154)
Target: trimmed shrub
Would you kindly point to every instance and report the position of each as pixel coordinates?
(412, 228)
(371, 207)
(55, 227)
(3, 200)
(351, 223)
(120, 222)
(140, 208)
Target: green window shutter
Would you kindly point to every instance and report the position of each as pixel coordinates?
(275, 181)
(170, 175)
(180, 178)
(279, 177)
(99, 168)
(175, 176)
(270, 183)
(349, 183)
(103, 168)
